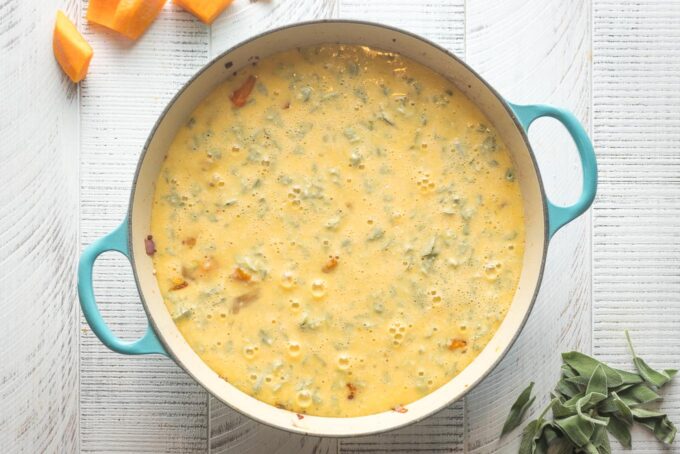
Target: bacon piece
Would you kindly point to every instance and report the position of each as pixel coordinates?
(457, 344)
(240, 96)
(149, 245)
(330, 265)
(179, 284)
(351, 391)
(244, 300)
(240, 275)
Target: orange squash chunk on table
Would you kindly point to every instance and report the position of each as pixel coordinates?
(102, 12)
(206, 10)
(70, 48)
(130, 18)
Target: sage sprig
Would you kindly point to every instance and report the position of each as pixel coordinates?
(590, 401)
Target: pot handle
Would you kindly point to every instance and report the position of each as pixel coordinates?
(558, 216)
(117, 240)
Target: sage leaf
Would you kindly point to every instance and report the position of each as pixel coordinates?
(578, 380)
(639, 394)
(583, 402)
(598, 382)
(601, 440)
(518, 409)
(590, 449)
(560, 446)
(629, 378)
(585, 365)
(651, 376)
(634, 396)
(660, 425)
(665, 430)
(566, 389)
(624, 412)
(642, 413)
(590, 400)
(568, 371)
(550, 434)
(533, 431)
(576, 429)
(529, 436)
(561, 410)
(620, 431)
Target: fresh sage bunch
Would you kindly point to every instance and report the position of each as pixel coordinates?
(590, 401)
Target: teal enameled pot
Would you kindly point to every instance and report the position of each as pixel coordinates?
(543, 219)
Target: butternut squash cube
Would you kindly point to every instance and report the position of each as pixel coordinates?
(206, 10)
(133, 17)
(70, 48)
(102, 12)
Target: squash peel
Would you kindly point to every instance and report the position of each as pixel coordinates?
(71, 50)
(205, 10)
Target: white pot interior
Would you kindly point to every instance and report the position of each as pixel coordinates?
(350, 33)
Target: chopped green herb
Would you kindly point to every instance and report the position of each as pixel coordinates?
(305, 94)
(382, 115)
(510, 175)
(351, 135)
(375, 234)
(265, 337)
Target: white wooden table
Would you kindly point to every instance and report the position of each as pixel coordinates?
(67, 156)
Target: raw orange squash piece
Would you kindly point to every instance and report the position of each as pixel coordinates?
(70, 48)
(206, 10)
(102, 12)
(133, 17)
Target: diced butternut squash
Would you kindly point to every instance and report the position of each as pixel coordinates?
(102, 12)
(70, 48)
(206, 10)
(133, 17)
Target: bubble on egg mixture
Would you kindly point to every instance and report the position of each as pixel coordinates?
(294, 304)
(249, 351)
(304, 398)
(294, 349)
(318, 288)
(288, 280)
(492, 270)
(424, 182)
(344, 361)
(397, 332)
(435, 297)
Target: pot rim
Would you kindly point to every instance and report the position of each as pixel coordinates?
(508, 110)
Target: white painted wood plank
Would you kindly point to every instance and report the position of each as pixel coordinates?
(38, 234)
(442, 21)
(229, 431)
(131, 404)
(636, 228)
(442, 432)
(247, 18)
(538, 52)
(232, 432)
